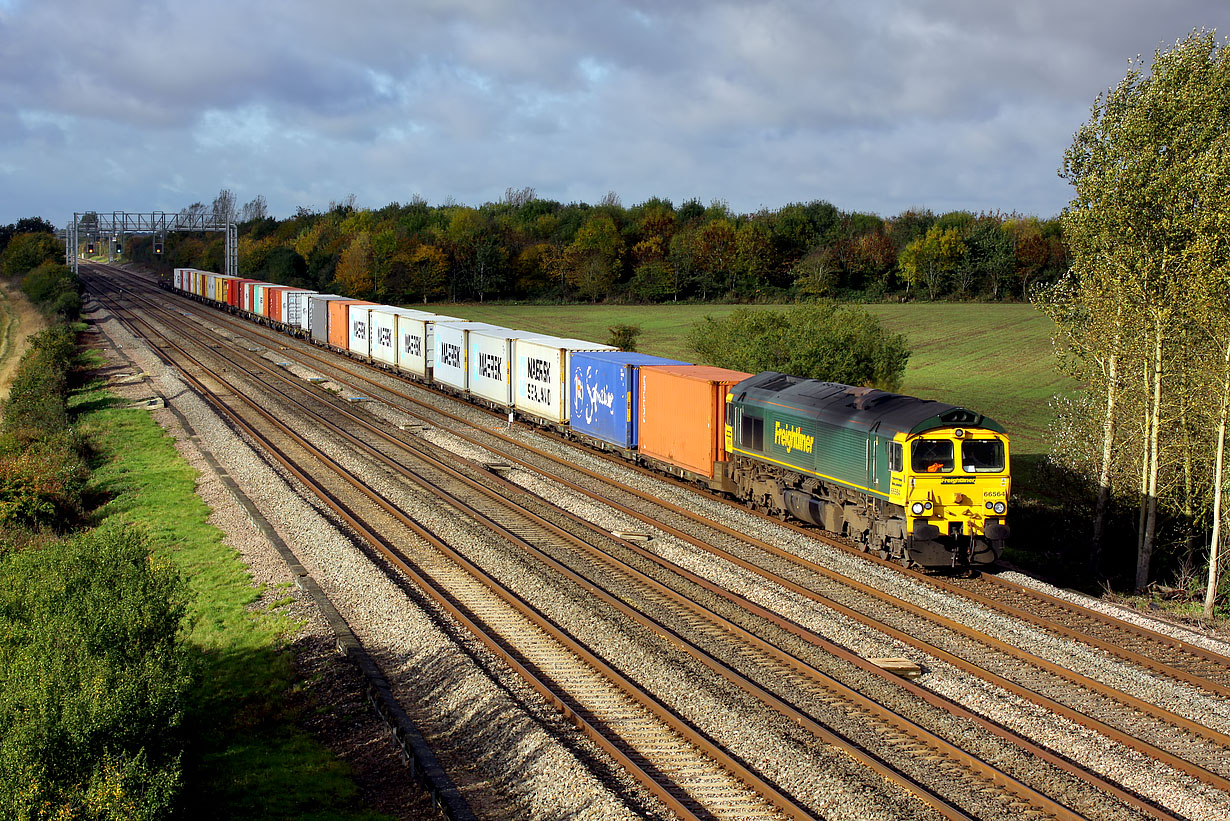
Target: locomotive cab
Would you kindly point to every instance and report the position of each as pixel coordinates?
(954, 485)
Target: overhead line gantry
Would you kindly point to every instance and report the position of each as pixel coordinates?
(112, 227)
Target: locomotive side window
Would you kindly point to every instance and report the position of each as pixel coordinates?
(895, 457)
(982, 456)
(932, 456)
(752, 435)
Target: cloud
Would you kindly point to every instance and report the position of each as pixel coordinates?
(879, 105)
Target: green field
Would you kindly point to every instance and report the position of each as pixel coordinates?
(993, 358)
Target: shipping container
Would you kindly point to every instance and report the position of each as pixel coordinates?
(273, 302)
(339, 321)
(234, 293)
(415, 334)
(382, 333)
(491, 353)
(295, 307)
(681, 412)
(540, 375)
(177, 279)
(359, 338)
(452, 345)
(318, 315)
(603, 390)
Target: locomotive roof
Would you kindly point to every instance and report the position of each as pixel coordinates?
(850, 406)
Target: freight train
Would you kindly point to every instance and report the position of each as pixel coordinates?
(918, 481)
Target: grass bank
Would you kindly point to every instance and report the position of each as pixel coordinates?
(245, 757)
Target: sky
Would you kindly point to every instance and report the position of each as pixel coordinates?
(873, 105)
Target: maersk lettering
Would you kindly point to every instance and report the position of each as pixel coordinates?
(491, 366)
(412, 345)
(539, 370)
(360, 329)
(450, 354)
(792, 438)
(384, 337)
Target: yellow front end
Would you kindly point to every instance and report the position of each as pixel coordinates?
(953, 485)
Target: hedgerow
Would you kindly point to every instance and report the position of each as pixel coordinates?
(92, 680)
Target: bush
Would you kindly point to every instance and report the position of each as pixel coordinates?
(42, 480)
(53, 288)
(39, 395)
(823, 340)
(624, 336)
(92, 679)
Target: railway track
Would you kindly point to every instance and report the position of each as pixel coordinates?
(929, 745)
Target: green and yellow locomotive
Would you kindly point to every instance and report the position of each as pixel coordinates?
(920, 481)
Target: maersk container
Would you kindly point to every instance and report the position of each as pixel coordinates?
(359, 335)
(295, 307)
(540, 375)
(490, 366)
(682, 415)
(415, 336)
(382, 333)
(452, 345)
(318, 315)
(603, 389)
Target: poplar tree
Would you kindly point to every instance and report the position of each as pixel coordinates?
(1146, 233)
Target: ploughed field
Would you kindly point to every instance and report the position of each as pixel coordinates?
(992, 358)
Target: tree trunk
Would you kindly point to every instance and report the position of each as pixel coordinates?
(1210, 594)
(1146, 549)
(1108, 449)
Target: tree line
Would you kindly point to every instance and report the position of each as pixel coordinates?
(528, 248)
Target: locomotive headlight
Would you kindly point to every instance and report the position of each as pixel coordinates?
(917, 508)
(1000, 507)
(928, 505)
(990, 506)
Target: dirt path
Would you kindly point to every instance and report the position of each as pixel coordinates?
(19, 319)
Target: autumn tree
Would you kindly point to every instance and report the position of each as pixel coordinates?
(354, 269)
(929, 260)
(594, 256)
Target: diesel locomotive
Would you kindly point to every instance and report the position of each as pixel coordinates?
(915, 480)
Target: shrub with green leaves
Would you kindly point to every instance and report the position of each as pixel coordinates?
(54, 289)
(823, 340)
(92, 679)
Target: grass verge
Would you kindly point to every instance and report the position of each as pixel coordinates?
(245, 759)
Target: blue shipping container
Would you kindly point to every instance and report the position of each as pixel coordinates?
(604, 386)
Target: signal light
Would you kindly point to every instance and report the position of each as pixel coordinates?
(89, 247)
(157, 249)
(119, 247)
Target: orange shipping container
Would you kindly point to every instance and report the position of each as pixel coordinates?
(339, 321)
(683, 414)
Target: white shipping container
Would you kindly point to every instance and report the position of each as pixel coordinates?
(359, 322)
(177, 279)
(295, 308)
(383, 330)
(415, 336)
(451, 348)
(490, 354)
(542, 368)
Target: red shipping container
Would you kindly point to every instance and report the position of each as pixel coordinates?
(339, 321)
(273, 302)
(683, 414)
(234, 292)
